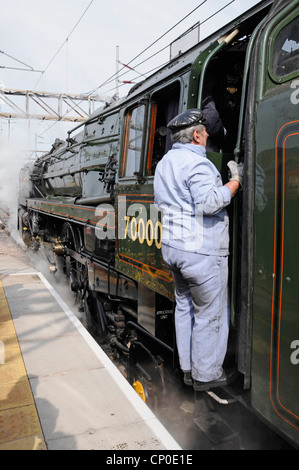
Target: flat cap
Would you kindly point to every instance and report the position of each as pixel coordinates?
(188, 118)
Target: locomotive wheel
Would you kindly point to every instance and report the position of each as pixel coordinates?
(70, 237)
(76, 273)
(77, 278)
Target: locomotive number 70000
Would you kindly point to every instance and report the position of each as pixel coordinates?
(143, 230)
(132, 223)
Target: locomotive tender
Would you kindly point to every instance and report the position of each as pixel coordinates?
(90, 199)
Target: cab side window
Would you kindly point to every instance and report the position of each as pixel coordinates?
(164, 107)
(286, 50)
(134, 141)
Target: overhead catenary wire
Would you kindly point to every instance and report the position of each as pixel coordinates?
(19, 68)
(109, 80)
(65, 41)
(55, 55)
(168, 31)
(151, 45)
(126, 66)
(125, 82)
(17, 60)
(28, 69)
(201, 23)
(142, 52)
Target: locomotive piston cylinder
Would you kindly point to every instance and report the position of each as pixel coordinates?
(59, 249)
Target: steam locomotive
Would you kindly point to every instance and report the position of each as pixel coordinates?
(88, 203)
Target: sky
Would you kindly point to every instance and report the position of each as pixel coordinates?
(74, 43)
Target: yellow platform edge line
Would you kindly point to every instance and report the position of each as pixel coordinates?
(20, 427)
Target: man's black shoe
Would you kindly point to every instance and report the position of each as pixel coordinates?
(224, 379)
(187, 378)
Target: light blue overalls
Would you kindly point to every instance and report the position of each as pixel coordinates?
(195, 238)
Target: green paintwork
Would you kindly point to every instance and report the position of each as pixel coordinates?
(66, 210)
(275, 373)
(138, 252)
(195, 75)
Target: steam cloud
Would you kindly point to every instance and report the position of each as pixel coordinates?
(12, 158)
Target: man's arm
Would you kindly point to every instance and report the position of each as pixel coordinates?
(233, 186)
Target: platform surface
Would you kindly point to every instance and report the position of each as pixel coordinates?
(59, 391)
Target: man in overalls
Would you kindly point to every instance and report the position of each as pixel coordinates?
(192, 199)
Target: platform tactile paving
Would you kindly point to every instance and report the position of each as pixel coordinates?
(20, 427)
